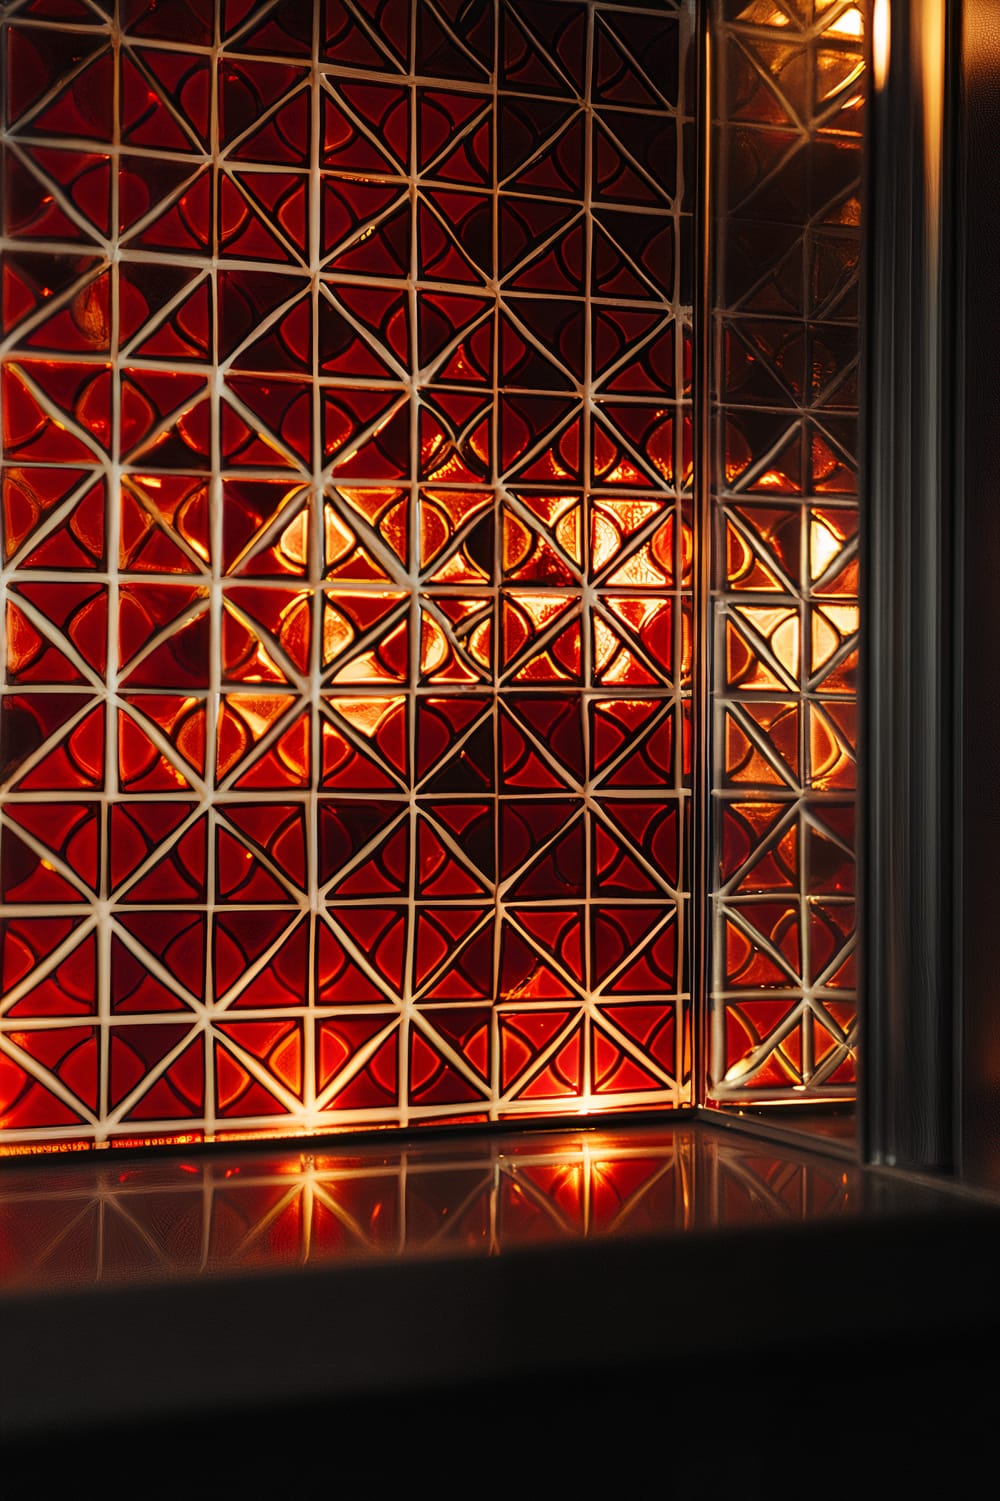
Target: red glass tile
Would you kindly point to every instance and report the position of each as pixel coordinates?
(559, 1073)
(53, 193)
(435, 1077)
(616, 1069)
(450, 222)
(261, 959)
(357, 1063)
(135, 989)
(283, 136)
(543, 953)
(156, 1072)
(164, 524)
(636, 847)
(543, 46)
(161, 742)
(453, 956)
(285, 28)
(165, 99)
(277, 1047)
(65, 1056)
(53, 962)
(346, 40)
(541, 849)
(541, 246)
(342, 977)
(249, 90)
(525, 128)
(163, 632)
(263, 216)
(326, 400)
(65, 834)
(454, 136)
(65, 79)
(52, 518)
(455, 41)
(189, 21)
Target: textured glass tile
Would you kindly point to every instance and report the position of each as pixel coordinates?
(345, 397)
(784, 587)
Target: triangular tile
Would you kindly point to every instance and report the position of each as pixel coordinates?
(434, 1079)
(185, 224)
(142, 765)
(558, 931)
(84, 105)
(650, 1029)
(341, 980)
(562, 1077)
(277, 1046)
(179, 1093)
(373, 1086)
(616, 1071)
(379, 932)
(524, 1036)
(240, 939)
(68, 988)
(178, 875)
(176, 938)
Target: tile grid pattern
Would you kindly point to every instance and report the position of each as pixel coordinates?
(785, 608)
(346, 546)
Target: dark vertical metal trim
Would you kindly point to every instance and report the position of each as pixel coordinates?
(978, 787)
(908, 758)
(701, 884)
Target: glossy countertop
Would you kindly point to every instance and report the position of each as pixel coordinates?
(189, 1283)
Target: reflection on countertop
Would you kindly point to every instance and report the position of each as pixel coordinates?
(90, 1221)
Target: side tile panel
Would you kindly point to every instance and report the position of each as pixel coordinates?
(787, 178)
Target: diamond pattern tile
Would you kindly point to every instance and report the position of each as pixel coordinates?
(345, 372)
(785, 574)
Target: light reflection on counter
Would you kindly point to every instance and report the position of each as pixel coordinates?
(82, 1222)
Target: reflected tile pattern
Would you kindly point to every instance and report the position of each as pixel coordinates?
(128, 1221)
(346, 543)
(787, 171)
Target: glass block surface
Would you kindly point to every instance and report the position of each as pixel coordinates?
(346, 405)
(784, 512)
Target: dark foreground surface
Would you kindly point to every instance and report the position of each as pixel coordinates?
(669, 1312)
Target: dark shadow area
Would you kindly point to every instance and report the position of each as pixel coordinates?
(902, 1416)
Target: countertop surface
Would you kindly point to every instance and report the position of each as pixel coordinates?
(177, 1285)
